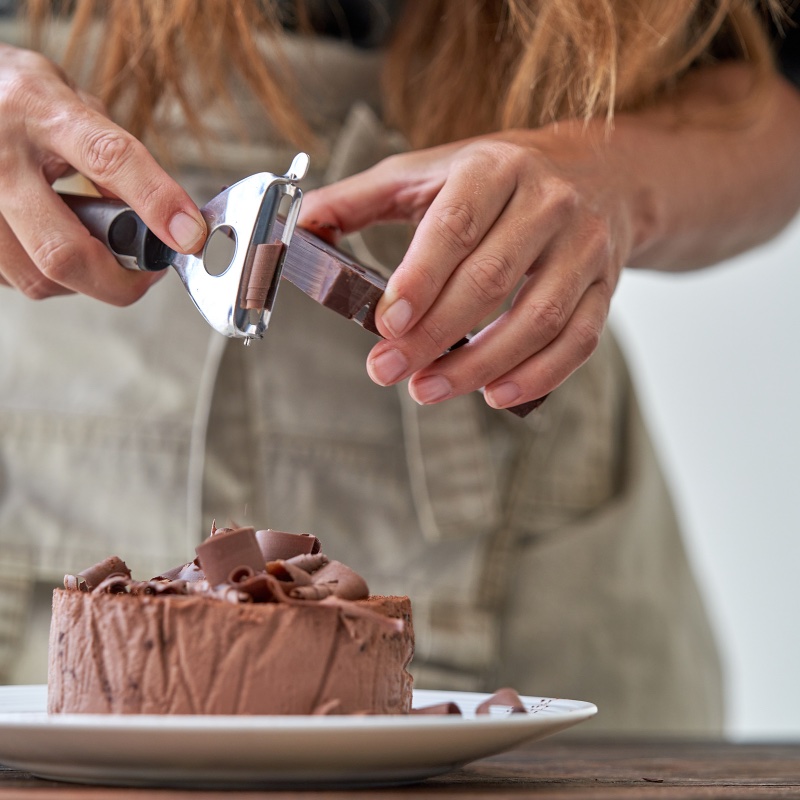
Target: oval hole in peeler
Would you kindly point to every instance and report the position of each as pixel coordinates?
(219, 250)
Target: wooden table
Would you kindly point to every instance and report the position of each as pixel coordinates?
(566, 768)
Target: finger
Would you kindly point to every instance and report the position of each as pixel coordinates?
(63, 251)
(477, 190)
(477, 288)
(118, 163)
(568, 266)
(550, 367)
(19, 272)
(399, 188)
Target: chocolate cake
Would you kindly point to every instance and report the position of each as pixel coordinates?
(261, 622)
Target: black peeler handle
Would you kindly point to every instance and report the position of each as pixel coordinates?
(120, 229)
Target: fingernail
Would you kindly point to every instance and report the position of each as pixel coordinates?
(503, 395)
(186, 231)
(432, 389)
(388, 367)
(397, 317)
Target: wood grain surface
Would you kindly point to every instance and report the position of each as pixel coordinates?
(567, 768)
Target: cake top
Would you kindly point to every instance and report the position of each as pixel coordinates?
(238, 565)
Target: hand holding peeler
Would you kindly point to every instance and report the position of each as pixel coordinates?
(237, 302)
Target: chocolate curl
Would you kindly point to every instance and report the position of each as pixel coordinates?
(92, 577)
(259, 271)
(328, 707)
(159, 587)
(308, 562)
(505, 697)
(342, 580)
(288, 573)
(185, 572)
(317, 591)
(240, 574)
(439, 709)
(223, 554)
(281, 546)
(114, 584)
(258, 588)
(224, 592)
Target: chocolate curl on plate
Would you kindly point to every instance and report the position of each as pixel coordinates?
(328, 707)
(438, 709)
(507, 699)
(281, 546)
(92, 577)
(333, 579)
(225, 554)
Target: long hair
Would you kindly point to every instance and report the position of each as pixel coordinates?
(454, 68)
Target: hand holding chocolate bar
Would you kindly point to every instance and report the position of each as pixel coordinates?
(522, 221)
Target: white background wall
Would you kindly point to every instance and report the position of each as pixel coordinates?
(716, 356)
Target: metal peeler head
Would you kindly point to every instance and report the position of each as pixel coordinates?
(247, 211)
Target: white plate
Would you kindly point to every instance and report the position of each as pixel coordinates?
(242, 751)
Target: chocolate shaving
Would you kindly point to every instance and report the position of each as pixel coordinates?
(288, 573)
(506, 698)
(317, 591)
(240, 574)
(281, 546)
(113, 584)
(344, 582)
(258, 275)
(440, 709)
(186, 572)
(328, 707)
(308, 562)
(225, 554)
(259, 589)
(89, 578)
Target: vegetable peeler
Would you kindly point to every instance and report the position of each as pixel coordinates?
(238, 301)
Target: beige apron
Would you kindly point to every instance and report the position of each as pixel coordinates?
(541, 553)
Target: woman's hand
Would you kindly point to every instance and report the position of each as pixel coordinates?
(549, 217)
(528, 215)
(49, 129)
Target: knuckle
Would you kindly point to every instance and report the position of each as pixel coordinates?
(435, 339)
(18, 94)
(497, 156)
(492, 278)
(587, 334)
(58, 259)
(600, 238)
(457, 225)
(39, 288)
(562, 195)
(548, 318)
(106, 152)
